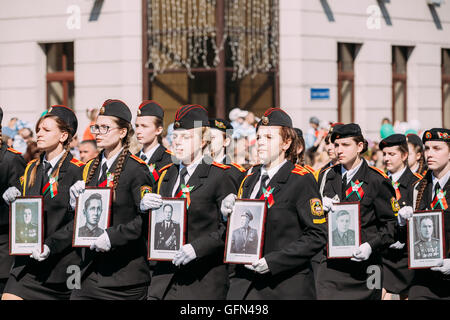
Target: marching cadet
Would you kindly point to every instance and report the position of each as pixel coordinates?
(416, 158)
(42, 276)
(197, 272)
(149, 129)
(353, 180)
(329, 148)
(12, 166)
(295, 228)
(397, 277)
(433, 193)
(221, 131)
(115, 266)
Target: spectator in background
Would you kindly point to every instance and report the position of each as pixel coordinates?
(167, 140)
(92, 114)
(312, 133)
(23, 137)
(74, 147)
(7, 140)
(88, 150)
(10, 130)
(386, 128)
(32, 151)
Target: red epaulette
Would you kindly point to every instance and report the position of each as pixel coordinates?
(379, 171)
(14, 151)
(77, 162)
(165, 167)
(310, 169)
(300, 170)
(418, 176)
(239, 167)
(219, 165)
(138, 159)
(170, 152)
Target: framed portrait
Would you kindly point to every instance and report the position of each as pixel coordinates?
(344, 231)
(426, 243)
(92, 215)
(245, 232)
(26, 225)
(167, 229)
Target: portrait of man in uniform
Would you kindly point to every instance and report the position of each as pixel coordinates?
(92, 211)
(26, 229)
(167, 231)
(342, 235)
(427, 247)
(245, 238)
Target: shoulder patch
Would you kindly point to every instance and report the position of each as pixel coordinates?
(310, 169)
(219, 165)
(77, 162)
(137, 159)
(165, 167)
(379, 171)
(239, 167)
(300, 170)
(145, 190)
(14, 151)
(170, 152)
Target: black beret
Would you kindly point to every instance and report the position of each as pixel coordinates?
(393, 140)
(414, 139)
(189, 116)
(248, 214)
(220, 124)
(436, 134)
(299, 132)
(150, 108)
(116, 108)
(346, 131)
(334, 126)
(1, 116)
(65, 114)
(275, 117)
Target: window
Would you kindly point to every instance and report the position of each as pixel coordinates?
(446, 88)
(399, 83)
(60, 73)
(346, 81)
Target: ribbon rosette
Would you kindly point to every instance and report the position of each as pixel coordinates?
(153, 172)
(185, 193)
(355, 188)
(267, 195)
(398, 195)
(51, 186)
(440, 199)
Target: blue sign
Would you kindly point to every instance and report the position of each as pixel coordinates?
(320, 93)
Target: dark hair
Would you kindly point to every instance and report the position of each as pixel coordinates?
(32, 151)
(422, 164)
(359, 139)
(301, 155)
(94, 196)
(342, 213)
(64, 127)
(168, 205)
(122, 124)
(290, 134)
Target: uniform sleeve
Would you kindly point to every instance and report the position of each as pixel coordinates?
(120, 234)
(215, 241)
(385, 215)
(314, 231)
(16, 170)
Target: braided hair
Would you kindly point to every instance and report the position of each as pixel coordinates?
(64, 127)
(122, 124)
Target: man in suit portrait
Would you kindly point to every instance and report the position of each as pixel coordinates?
(428, 246)
(167, 232)
(245, 239)
(342, 235)
(92, 212)
(27, 231)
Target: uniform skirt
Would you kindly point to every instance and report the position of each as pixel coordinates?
(28, 287)
(429, 285)
(397, 276)
(344, 279)
(91, 291)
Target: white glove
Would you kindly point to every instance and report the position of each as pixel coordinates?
(75, 190)
(443, 266)
(362, 253)
(150, 201)
(328, 204)
(398, 245)
(102, 244)
(36, 254)
(404, 214)
(259, 266)
(11, 194)
(227, 205)
(185, 255)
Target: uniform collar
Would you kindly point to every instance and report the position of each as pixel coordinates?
(150, 153)
(442, 181)
(351, 173)
(55, 160)
(396, 176)
(109, 162)
(191, 167)
(272, 171)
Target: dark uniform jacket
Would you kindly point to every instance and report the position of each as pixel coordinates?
(125, 264)
(58, 223)
(160, 158)
(295, 231)
(12, 166)
(169, 235)
(236, 172)
(347, 239)
(206, 277)
(84, 231)
(427, 249)
(27, 233)
(244, 243)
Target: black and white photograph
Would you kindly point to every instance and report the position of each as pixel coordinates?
(167, 229)
(245, 233)
(91, 215)
(425, 235)
(25, 225)
(343, 230)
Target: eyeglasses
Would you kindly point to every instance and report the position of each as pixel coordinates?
(101, 129)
